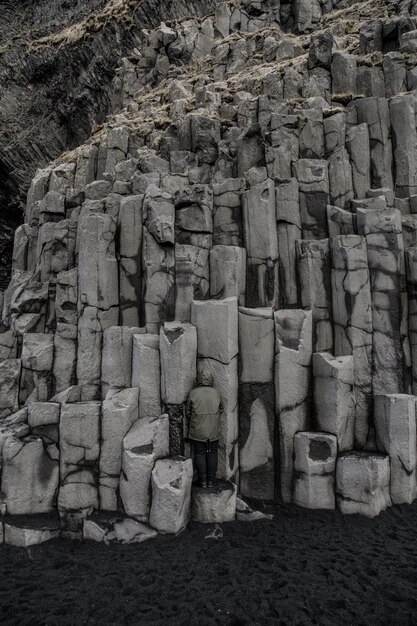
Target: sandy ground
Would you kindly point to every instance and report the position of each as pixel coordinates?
(304, 567)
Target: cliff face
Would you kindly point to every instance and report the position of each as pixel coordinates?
(57, 63)
(247, 208)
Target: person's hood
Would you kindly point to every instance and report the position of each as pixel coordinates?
(205, 378)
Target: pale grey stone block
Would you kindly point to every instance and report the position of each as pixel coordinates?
(146, 373)
(171, 495)
(315, 288)
(333, 397)
(352, 321)
(362, 483)
(314, 470)
(214, 505)
(395, 424)
(29, 480)
(256, 344)
(119, 413)
(228, 272)
(116, 366)
(178, 352)
(293, 353)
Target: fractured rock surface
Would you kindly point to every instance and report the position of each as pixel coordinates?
(249, 207)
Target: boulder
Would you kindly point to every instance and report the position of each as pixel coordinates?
(171, 494)
(314, 470)
(108, 529)
(362, 483)
(214, 505)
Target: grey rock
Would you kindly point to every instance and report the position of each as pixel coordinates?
(116, 366)
(214, 505)
(120, 410)
(314, 275)
(313, 179)
(29, 480)
(395, 424)
(147, 441)
(171, 495)
(352, 321)
(314, 467)
(362, 483)
(293, 353)
(146, 373)
(334, 398)
(178, 350)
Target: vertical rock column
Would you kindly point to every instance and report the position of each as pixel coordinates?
(313, 179)
(315, 465)
(116, 363)
(217, 350)
(404, 139)
(98, 297)
(261, 243)
(383, 232)
(79, 444)
(228, 272)
(119, 413)
(256, 403)
(178, 352)
(395, 424)
(65, 340)
(411, 262)
(130, 249)
(333, 397)
(37, 365)
(289, 231)
(352, 321)
(293, 352)
(146, 373)
(315, 288)
(158, 258)
(375, 112)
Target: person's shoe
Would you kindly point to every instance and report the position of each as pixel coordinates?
(202, 484)
(210, 483)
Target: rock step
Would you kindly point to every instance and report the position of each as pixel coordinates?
(214, 505)
(109, 527)
(24, 531)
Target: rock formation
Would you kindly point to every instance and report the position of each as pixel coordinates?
(248, 207)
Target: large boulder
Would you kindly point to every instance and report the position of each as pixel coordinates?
(171, 494)
(214, 505)
(362, 483)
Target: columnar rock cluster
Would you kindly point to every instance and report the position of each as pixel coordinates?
(251, 211)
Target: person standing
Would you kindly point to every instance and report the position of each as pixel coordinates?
(203, 411)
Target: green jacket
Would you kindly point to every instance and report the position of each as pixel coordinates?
(203, 410)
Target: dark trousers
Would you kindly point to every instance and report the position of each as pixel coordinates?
(205, 453)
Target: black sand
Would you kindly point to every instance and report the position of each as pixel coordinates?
(303, 568)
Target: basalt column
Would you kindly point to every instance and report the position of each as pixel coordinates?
(260, 234)
(352, 321)
(383, 233)
(256, 403)
(98, 297)
(293, 351)
(315, 288)
(178, 352)
(217, 350)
